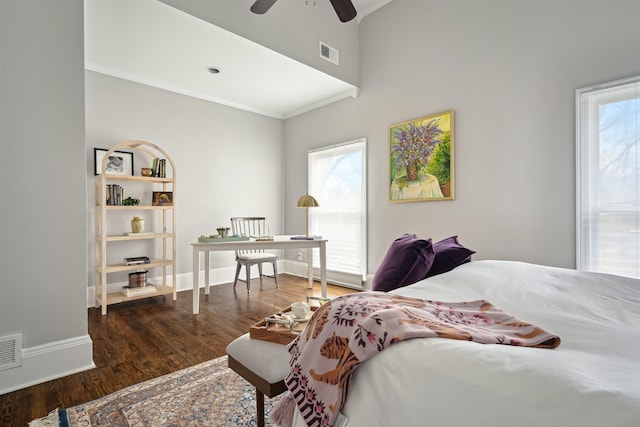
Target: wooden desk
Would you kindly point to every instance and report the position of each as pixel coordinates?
(279, 242)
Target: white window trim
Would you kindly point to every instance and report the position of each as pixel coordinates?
(343, 278)
(585, 110)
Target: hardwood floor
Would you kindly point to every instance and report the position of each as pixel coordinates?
(143, 339)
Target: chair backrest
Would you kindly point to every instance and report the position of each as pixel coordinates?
(250, 226)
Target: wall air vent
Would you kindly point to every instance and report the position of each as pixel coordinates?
(329, 53)
(10, 351)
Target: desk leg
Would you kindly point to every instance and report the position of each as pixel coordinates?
(323, 268)
(310, 267)
(207, 258)
(196, 280)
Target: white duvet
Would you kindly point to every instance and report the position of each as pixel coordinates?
(592, 379)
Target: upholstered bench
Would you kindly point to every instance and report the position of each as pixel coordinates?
(263, 364)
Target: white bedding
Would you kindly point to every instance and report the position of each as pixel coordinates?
(592, 379)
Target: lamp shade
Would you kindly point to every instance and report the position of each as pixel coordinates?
(307, 201)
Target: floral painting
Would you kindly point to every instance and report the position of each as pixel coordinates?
(421, 159)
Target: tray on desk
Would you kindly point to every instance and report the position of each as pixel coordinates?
(277, 333)
(205, 239)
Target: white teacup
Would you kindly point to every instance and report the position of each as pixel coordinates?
(300, 310)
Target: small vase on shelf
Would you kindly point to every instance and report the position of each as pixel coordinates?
(137, 224)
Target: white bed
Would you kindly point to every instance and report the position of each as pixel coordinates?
(591, 379)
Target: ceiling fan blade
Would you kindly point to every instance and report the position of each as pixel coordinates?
(262, 6)
(345, 10)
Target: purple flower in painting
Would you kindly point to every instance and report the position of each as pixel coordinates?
(413, 144)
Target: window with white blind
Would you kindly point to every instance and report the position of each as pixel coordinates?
(608, 178)
(337, 179)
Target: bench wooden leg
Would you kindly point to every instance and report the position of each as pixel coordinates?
(260, 408)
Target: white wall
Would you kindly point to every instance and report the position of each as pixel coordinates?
(42, 222)
(509, 70)
(228, 163)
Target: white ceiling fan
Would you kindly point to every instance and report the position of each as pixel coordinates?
(344, 8)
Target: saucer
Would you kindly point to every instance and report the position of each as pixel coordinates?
(301, 319)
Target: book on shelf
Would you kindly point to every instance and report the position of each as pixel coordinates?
(115, 195)
(129, 291)
(159, 168)
(162, 173)
(306, 237)
(137, 260)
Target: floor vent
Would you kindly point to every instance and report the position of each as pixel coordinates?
(329, 53)
(10, 351)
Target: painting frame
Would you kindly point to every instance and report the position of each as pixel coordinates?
(421, 159)
(125, 168)
(162, 198)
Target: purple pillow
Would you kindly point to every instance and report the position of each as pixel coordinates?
(407, 261)
(448, 255)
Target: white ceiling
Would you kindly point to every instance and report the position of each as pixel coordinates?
(149, 42)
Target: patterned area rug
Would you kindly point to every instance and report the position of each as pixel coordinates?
(208, 394)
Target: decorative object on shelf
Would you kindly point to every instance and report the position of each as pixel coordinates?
(162, 198)
(137, 224)
(223, 231)
(307, 202)
(130, 201)
(138, 279)
(421, 159)
(118, 163)
(146, 172)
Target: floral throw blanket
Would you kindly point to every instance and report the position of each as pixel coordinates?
(353, 328)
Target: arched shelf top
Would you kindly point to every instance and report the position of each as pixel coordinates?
(147, 147)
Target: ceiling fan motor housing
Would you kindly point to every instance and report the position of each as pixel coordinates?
(344, 8)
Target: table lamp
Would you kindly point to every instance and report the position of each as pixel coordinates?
(307, 202)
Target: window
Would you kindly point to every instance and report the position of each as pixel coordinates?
(337, 179)
(608, 178)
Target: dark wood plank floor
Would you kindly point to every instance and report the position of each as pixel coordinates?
(143, 339)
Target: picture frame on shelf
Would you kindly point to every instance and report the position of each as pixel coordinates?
(162, 198)
(119, 162)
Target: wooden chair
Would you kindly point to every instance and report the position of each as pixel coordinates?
(254, 226)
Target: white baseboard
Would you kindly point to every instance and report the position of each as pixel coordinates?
(346, 280)
(218, 276)
(48, 362)
(367, 285)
